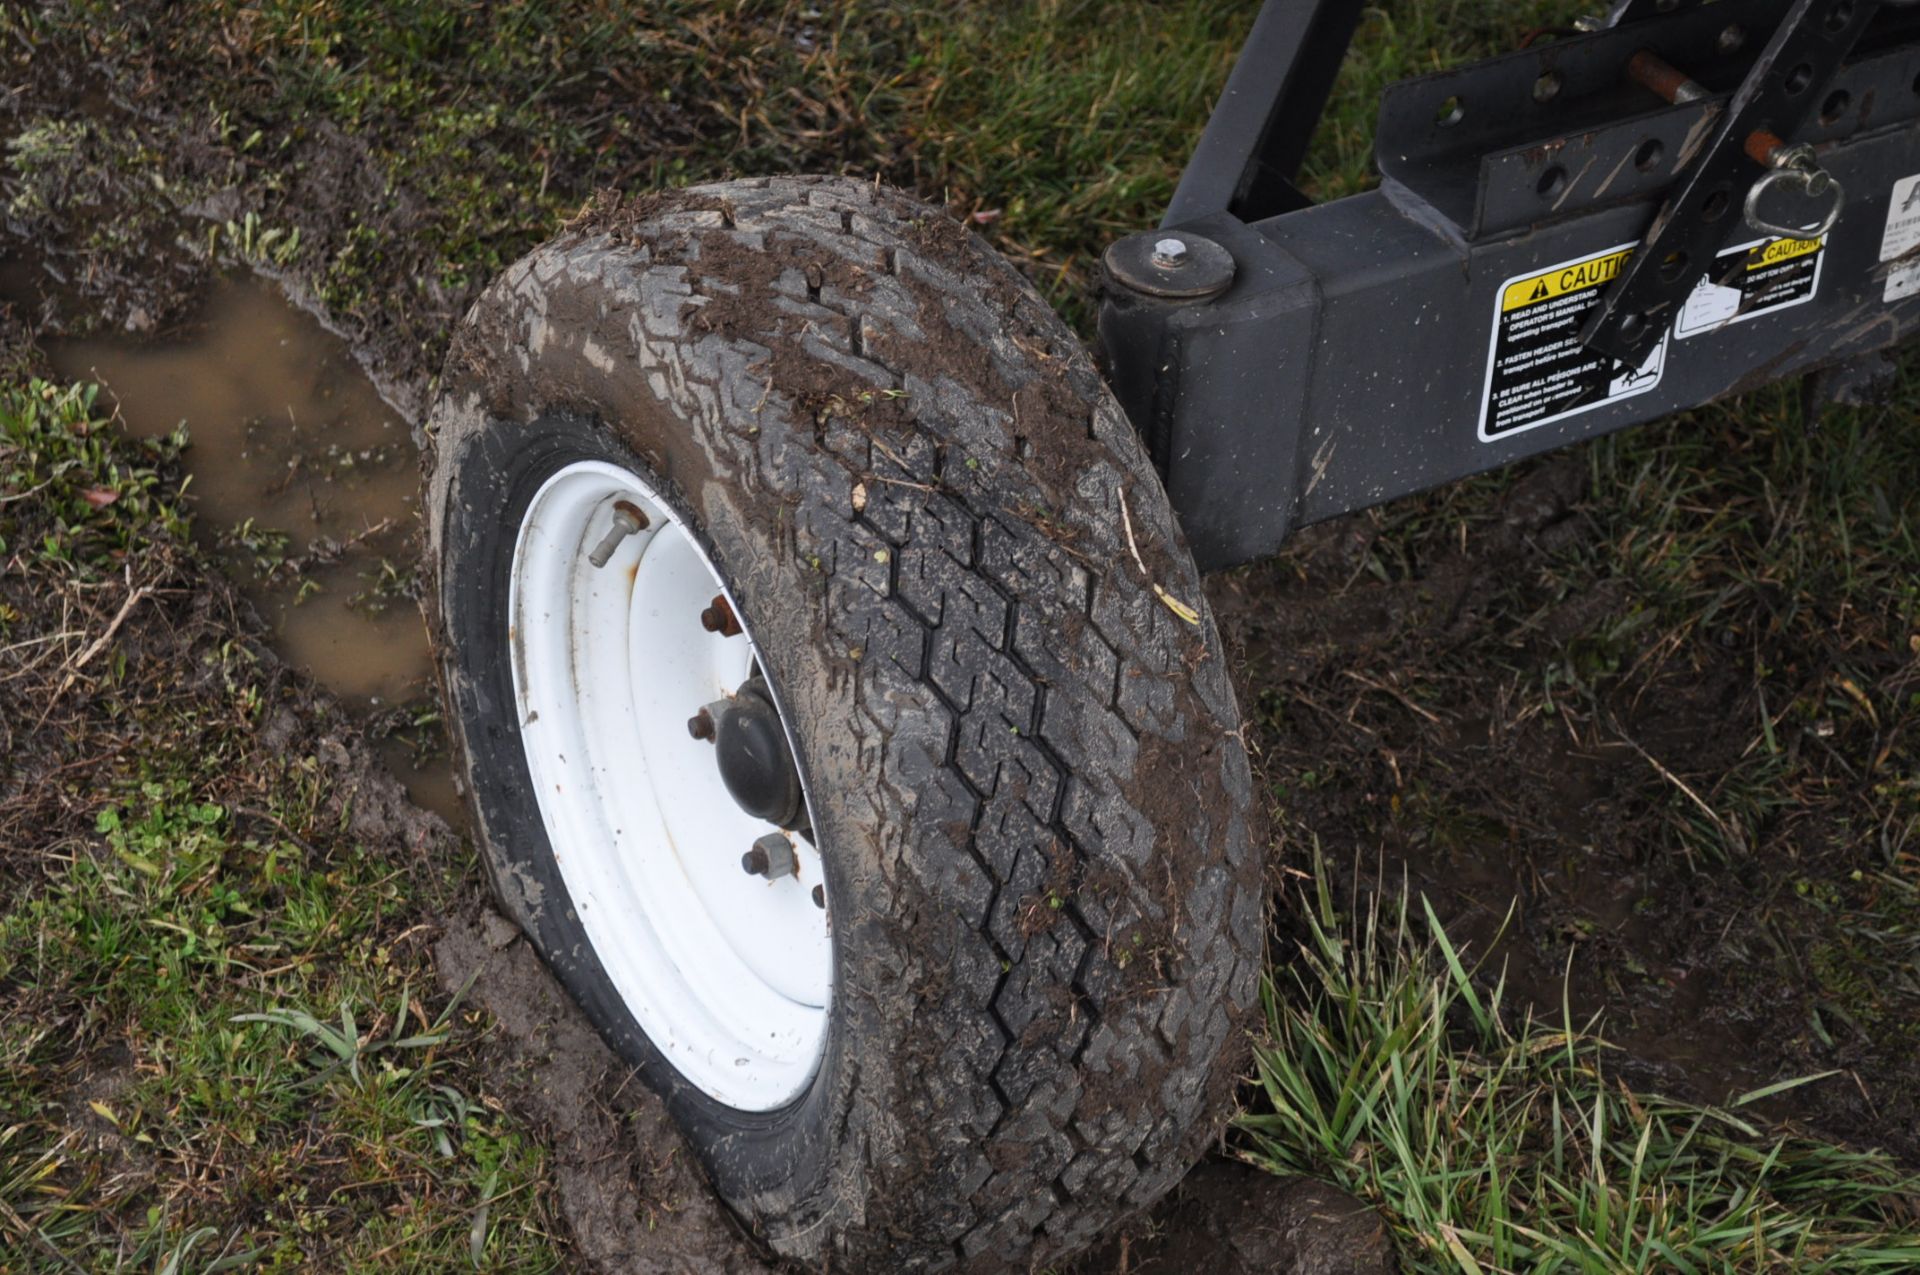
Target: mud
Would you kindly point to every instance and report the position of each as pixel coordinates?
(1544, 839)
(1535, 839)
(304, 485)
(636, 1203)
(1230, 1219)
(632, 1197)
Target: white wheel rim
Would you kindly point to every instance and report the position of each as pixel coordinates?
(729, 974)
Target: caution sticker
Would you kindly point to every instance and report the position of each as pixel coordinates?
(1537, 370)
(1901, 243)
(1750, 280)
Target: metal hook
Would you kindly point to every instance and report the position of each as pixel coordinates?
(1794, 166)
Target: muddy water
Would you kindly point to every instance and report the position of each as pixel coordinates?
(304, 483)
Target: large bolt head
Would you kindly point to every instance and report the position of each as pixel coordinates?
(719, 617)
(1173, 267)
(1169, 253)
(772, 857)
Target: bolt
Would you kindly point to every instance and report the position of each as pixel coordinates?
(820, 896)
(1169, 253)
(705, 724)
(627, 519)
(771, 857)
(719, 618)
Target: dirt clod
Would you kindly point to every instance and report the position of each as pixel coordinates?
(1230, 1219)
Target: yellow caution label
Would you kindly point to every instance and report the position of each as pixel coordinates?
(1772, 254)
(1578, 277)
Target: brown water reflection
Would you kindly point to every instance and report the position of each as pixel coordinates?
(304, 484)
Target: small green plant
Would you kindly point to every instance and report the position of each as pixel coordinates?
(265, 549)
(349, 1049)
(1496, 1146)
(42, 157)
(248, 240)
(383, 586)
(94, 496)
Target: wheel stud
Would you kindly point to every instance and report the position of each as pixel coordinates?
(627, 519)
(719, 618)
(820, 896)
(771, 857)
(705, 724)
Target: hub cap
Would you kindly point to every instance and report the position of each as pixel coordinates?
(729, 974)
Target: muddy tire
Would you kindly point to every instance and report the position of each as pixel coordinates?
(992, 658)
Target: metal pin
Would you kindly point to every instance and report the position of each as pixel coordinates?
(627, 519)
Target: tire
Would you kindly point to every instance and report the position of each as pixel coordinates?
(966, 592)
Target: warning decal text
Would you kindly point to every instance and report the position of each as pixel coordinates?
(1900, 244)
(1750, 280)
(1537, 370)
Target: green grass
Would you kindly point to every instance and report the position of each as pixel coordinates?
(222, 1045)
(213, 960)
(490, 123)
(1492, 1140)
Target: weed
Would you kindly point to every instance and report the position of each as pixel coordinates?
(249, 242)
(179, 894)
(1497, 1147)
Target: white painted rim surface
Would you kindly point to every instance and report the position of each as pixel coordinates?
(729, 974)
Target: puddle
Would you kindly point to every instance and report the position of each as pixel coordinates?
(304, 484)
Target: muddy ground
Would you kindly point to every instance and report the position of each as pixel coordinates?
(1688, 795)
(1409, 735)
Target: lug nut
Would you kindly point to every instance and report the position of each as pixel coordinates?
(1169, 253)
(705, 724)
(719, 618)
(771, 857)
(627, 519)
(820, 896)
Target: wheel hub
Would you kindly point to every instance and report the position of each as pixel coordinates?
(620, 627)
(750, 747)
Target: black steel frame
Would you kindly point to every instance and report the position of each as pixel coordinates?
(1385, 343)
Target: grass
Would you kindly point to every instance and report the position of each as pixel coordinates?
(194, 941)
(1492, 1140)
(222, 1041)
(487, 124)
